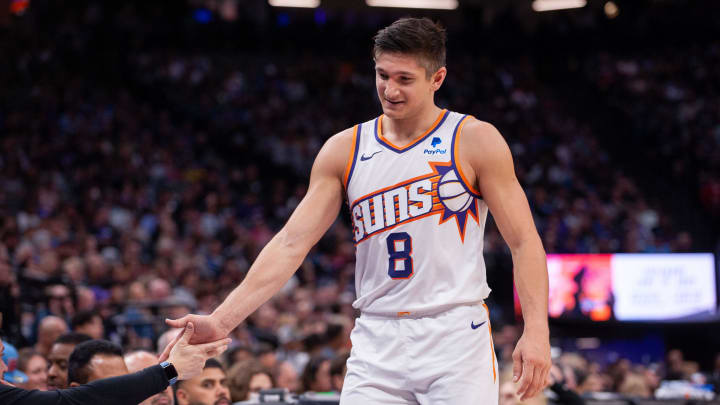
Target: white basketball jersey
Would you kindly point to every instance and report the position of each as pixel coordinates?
(418, 226)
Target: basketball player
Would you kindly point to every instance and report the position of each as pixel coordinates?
(419, 181)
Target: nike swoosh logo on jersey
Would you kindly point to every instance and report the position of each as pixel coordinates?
(472, 324)
(364, 158)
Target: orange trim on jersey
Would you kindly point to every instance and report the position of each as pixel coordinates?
(420, 138)
(492, 346)
(458, 167)
(403, 313)
(351, 158)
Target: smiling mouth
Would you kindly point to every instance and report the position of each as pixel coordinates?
(393, 102)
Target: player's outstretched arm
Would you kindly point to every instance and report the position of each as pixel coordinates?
(284, 254)
(490, 160)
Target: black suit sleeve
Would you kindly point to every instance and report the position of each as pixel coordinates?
(566, 396)
(130, 389)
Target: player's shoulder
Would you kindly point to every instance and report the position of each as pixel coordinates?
(334, 153)
(342, 139)
(340, 144)
(481, 135)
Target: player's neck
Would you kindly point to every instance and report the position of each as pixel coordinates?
(405, 130)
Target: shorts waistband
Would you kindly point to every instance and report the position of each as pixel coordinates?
(429, 313)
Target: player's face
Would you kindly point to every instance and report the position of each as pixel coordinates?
(403, 86)
(57, 373)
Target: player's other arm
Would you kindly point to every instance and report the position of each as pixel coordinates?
(282, 256)
(490, 160)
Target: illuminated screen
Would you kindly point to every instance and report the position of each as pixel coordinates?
(675, 287)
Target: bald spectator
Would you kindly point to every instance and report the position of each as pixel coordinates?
(50, 329)
(59, 356)
(141, 359)
(95, 360)
(166, 338)
(89, 323)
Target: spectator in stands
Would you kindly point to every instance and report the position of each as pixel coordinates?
(166, 338)
(35, 368)
(51, 327)
(95, 360)
(592, 382)
(675, 365)
(715, 374)
(247, 378)
(12, 373)
(140, 359)
(563, 394)
(316, 376)
(338, 368)
(238, 354)
(634, 385)
(287, 377)
(89, 323)
(208, 388)
(59, 357)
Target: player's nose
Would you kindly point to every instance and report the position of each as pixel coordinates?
(391, 92)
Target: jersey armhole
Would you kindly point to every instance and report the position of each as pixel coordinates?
(353, 156)
(455, 149)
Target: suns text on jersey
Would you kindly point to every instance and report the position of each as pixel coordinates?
(398, 204)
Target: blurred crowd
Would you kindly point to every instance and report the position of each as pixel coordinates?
(673, 96)
(141, 179)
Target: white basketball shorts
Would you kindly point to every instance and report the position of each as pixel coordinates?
(446, 358)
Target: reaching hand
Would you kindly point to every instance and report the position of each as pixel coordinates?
(206, 330)
(531, 363)
(188, 359)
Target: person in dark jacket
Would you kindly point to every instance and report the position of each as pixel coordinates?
(185, 361)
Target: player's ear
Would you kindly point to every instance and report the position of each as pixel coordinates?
(181, 394)
(437, 79)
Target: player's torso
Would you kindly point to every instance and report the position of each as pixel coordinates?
(417, 226)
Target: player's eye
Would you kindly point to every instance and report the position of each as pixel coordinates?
(383, 76)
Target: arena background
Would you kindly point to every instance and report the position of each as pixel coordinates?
(149, 150)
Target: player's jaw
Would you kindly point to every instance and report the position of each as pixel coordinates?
(222, 401)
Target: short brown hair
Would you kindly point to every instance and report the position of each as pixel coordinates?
(240, 375)
(416, 36)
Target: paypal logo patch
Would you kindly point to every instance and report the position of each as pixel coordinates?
(434, 149)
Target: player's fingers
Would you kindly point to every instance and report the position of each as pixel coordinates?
(187, 333)
(217, 352)
(536, 384)
(166, 353)
(208, 347)
(526, 379)
(517, 366)
(177, 323)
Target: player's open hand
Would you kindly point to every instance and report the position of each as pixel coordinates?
(206, 330)
(531, 364)
(189, 359)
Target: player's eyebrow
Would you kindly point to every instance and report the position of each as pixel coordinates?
(401, 72)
